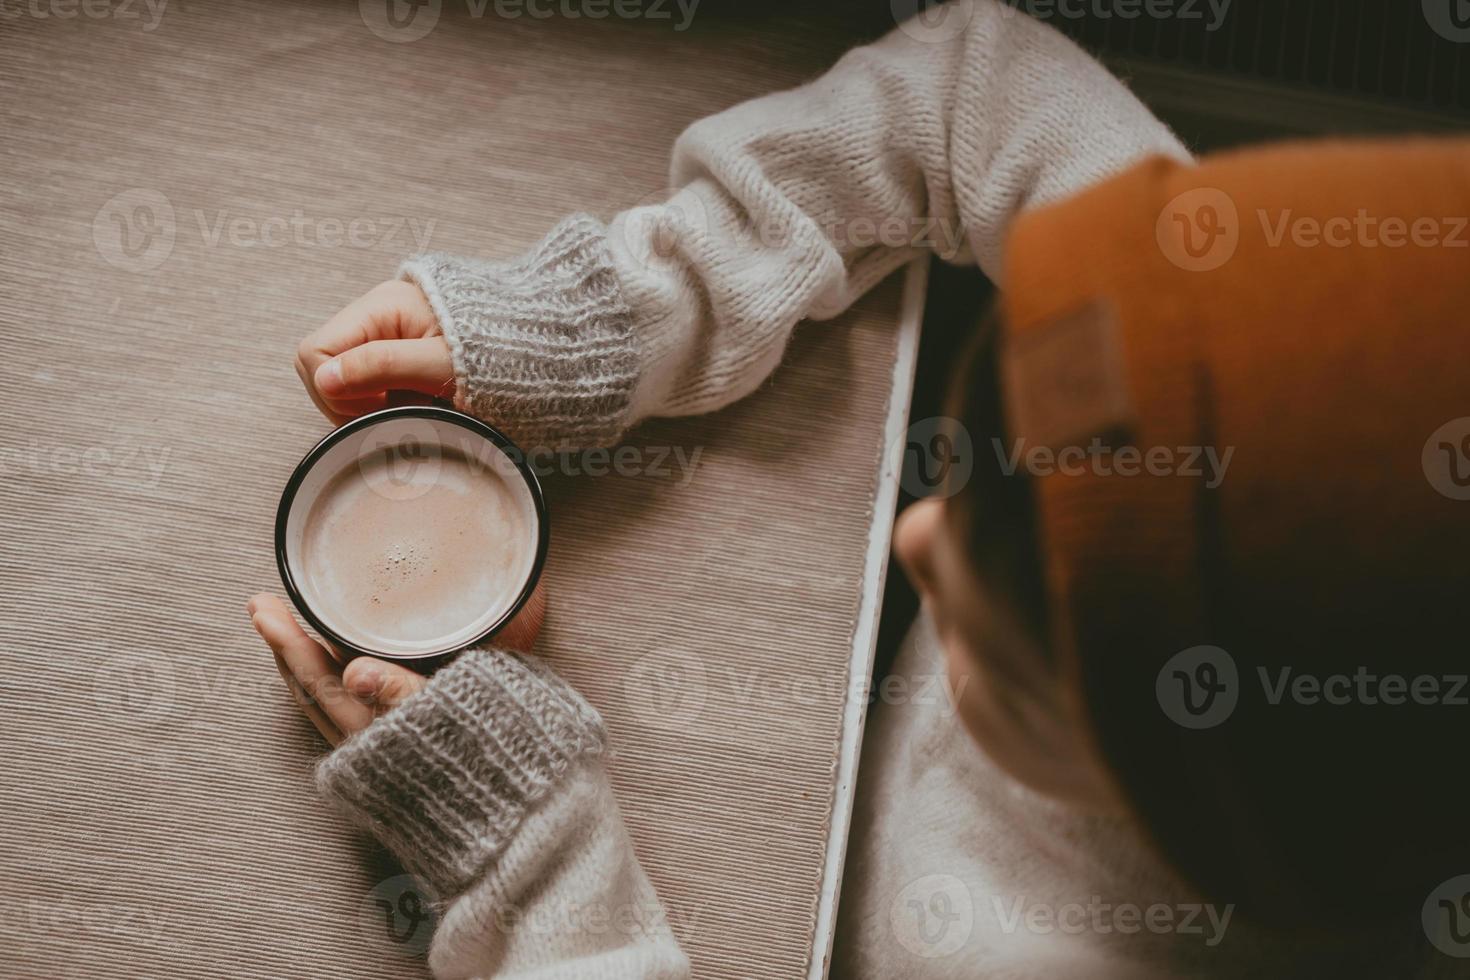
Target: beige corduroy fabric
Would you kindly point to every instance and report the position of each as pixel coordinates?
(180, 213)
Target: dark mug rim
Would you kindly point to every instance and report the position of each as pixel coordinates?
(509, 449)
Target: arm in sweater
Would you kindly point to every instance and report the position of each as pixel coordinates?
(488, 786)
(785, 207)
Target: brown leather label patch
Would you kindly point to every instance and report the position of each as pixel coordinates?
(1065, 381)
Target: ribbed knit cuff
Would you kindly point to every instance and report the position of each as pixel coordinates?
(445, 779)
(543, 345)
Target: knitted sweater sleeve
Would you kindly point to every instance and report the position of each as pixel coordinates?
(785, 207)
(487, 785)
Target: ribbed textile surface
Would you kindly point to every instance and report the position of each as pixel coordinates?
(188, 196)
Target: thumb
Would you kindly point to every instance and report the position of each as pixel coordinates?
(381, 684)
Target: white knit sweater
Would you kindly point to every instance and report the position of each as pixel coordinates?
(488, 785)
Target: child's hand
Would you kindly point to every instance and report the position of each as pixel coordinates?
(342, 701)
(385, 340)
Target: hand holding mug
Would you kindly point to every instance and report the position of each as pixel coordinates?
(387, 340)
(341, 700)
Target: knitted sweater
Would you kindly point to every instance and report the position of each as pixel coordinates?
(487, 784)
(786, 207)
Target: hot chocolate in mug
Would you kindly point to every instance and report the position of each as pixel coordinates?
(411, 533)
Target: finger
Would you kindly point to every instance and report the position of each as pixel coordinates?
(343, 411)
(338, 412)
(314, 714)
(391, 310)
(387, 365)
(309, 662)
(383, 685)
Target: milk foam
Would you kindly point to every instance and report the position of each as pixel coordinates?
(413, 558)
